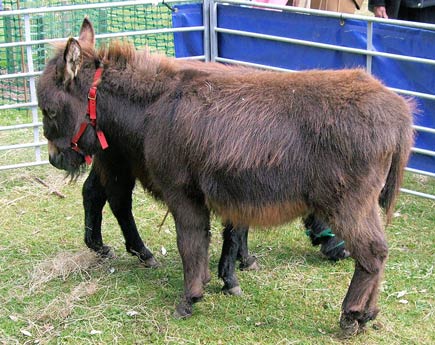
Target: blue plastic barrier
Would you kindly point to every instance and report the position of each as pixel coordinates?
(188, 43)
(353, 33)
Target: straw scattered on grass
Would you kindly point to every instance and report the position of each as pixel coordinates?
(62, 266)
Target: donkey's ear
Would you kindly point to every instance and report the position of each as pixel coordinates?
(87, 33)
(73, 59)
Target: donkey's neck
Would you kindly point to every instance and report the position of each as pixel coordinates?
(140, 79)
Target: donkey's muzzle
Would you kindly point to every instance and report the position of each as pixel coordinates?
(68, 159)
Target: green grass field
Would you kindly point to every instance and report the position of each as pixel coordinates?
(52, 290)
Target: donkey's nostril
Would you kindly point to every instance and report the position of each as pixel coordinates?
(56, 160)
(52, 149)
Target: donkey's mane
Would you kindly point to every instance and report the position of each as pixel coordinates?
(120, 54)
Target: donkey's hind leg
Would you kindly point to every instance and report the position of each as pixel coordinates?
(368, 246)
(234, 247)
(230, 249)
(247, 262)
(332, 246)
(94, 199)
(119, 188)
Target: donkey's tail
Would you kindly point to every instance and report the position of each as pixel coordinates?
(391, 188)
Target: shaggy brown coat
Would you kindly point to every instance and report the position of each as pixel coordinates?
(259, 148)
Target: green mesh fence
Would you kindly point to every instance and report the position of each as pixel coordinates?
(64, 24)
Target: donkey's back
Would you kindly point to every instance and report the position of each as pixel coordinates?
(268, 146)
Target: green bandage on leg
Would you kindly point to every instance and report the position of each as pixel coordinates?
(341, 243)
(325, 233)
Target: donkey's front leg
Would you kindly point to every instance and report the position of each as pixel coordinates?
(192, 223)
(94, 199)
(119, 188)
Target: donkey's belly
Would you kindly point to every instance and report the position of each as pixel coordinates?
(266, 215)
(254, 198)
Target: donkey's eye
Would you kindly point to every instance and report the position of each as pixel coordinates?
(49, 113)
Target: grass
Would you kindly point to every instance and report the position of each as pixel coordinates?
(52, 290)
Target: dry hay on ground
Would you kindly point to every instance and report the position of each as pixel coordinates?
(62, 266)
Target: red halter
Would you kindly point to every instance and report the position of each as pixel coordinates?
(92, 112)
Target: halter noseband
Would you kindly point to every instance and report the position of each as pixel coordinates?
(92, 113)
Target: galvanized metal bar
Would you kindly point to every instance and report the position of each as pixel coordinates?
(23, 126)
(197, 57)
(22, 146)
(22, 165)
(420, 172)
(369, 58)
(34, 42)
(83, 7)
(32, 84)
(414, 93)
(413, 192)
(424, 129)
(20, 75)
(213, 34)
(206, 23)
(423, 151)
(18, 105)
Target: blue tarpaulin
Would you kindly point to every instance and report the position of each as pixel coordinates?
(349, 33)
(188, 43)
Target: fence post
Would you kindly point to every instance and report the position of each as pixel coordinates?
(206, 23)
(369, 46)
(213, 33)
(32, 84)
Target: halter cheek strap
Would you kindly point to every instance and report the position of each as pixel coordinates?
(92, 113)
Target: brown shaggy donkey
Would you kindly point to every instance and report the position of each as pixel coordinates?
(258, 148)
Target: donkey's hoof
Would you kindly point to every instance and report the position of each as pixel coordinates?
(252, 267)
(334, 249)
(106, 252)
(234, 291)
(183, 310)
(250, 264)
(349, 326)
(150, 262)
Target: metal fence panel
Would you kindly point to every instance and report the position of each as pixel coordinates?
(27, 32)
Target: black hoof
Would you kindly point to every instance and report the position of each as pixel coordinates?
(106, 252)
(249, 264)
(352, 323)
(150, 262)
(145, 257)
(367, 316)
(183, 310)
(349, 326)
